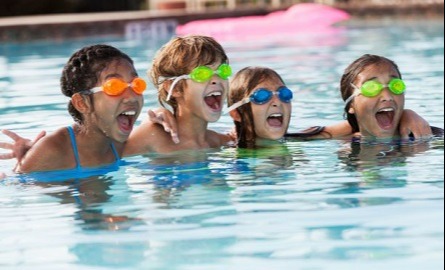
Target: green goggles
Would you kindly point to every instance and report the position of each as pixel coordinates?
(374, 88)
(202, 74)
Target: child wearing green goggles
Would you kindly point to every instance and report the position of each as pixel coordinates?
(374, 95)
(191, 74)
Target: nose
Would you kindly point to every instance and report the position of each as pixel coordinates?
(215, 79)
(386, 95)
(275, 102)
(129, 95)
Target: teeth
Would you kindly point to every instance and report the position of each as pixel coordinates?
(276, 115)
(387, 110)
(129, 113)
(214, 95)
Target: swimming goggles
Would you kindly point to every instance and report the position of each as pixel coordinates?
(374, 88)
(262, 96)
(201, 74)
(115, 86)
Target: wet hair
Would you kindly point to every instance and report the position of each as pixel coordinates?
(179, 57)
(350, 75)
(83, 69)
(242, 86)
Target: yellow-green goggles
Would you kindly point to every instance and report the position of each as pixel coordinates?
(202, 74)
(374, 88)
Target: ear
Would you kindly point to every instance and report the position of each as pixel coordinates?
(351, 110)
(81, 103)
(235, 115)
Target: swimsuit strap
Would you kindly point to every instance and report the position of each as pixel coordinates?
(74, 145)
(116, 154)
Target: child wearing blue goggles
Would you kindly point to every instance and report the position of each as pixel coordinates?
(262, 96)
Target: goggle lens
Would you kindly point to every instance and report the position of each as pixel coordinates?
(115, 87)
(397, 86)
(262, 96)
(204, 74)
(373, 88)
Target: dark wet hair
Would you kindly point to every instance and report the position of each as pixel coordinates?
(349, 77)
(83, 69)
(242, 85)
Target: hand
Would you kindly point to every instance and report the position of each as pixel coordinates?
(412, 123)
(166, 119)
(20, 146)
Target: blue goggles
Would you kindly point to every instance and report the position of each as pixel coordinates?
(262, 96)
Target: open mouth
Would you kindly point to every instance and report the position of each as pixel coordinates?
(126, 121)
(275, 120)
(214, 101)
(385, 118)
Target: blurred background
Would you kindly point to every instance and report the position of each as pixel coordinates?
(37, 7)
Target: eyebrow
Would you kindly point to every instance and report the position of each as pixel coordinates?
(116, 75)
(374, 78)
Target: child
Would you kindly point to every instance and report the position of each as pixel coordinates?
(374, 93)
(191, 74)
(261, 108)
(105, 100)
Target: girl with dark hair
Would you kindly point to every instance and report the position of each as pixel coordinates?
(105, 100)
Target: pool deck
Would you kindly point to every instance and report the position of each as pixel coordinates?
(72, 26)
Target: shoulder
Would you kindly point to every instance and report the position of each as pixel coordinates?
(146, 138)
(49, 153)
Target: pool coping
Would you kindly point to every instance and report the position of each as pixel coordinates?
(72, 26)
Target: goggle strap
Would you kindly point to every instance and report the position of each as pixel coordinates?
(175, 82)
(350, 99)
(237, 105)
(356, 93)
(96, 89)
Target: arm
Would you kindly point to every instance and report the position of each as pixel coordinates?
(412, 123)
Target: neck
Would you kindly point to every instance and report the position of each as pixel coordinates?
(95, 141)
(192, 129)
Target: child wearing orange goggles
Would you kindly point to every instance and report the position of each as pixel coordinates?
(104, 108)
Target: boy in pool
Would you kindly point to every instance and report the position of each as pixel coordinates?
(374, 95)
(105, 100)
(191, 74)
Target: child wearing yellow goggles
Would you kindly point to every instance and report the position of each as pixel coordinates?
(374, 95)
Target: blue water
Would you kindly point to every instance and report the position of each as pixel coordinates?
(298, 205)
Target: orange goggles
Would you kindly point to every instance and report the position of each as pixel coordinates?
(115, 87)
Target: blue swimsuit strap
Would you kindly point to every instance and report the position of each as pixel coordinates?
(74, 145)
(76, 152)
(116, 154)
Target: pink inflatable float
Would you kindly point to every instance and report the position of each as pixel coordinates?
(306, 18)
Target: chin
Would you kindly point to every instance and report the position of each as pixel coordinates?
(276, 136)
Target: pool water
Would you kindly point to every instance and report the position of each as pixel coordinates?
(297, 205)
